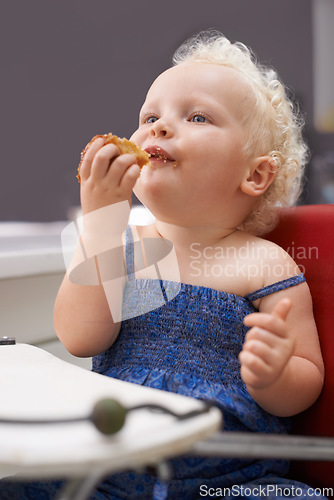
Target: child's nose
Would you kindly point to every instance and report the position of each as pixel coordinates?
(160, 128)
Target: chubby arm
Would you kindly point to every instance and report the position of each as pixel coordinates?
(86, 317)
(281, 362)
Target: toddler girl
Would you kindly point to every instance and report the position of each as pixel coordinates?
(234, 324)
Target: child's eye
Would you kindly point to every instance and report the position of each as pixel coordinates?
(150, 119)
(198, 118)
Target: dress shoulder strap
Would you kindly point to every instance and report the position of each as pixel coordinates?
(129, 253)
(276, 287)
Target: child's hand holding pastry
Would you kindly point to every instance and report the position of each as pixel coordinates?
(107, 177)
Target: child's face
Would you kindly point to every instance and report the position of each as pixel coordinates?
(194, 113)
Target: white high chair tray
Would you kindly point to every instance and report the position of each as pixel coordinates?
(35, 384)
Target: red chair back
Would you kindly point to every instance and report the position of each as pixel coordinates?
(307, 234)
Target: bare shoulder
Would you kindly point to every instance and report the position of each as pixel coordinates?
(276, 265)
(273, 262)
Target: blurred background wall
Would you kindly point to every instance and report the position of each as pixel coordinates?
(71, 69)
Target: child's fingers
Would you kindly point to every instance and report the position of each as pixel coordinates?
(254, 370)
(89, 154)
(102, 161)
(120, 169)
(274, 321)
(259, 349)
(282, 308)
(261, 334)
(267, 322)
(130, 177)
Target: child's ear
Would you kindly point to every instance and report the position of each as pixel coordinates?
(260, 175)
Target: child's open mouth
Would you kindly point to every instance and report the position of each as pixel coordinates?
(157, 154)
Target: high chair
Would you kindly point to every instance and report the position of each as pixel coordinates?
(307, 234)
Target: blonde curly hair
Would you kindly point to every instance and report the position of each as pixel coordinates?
(274, 125)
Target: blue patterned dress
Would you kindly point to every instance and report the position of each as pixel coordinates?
(190, 346)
